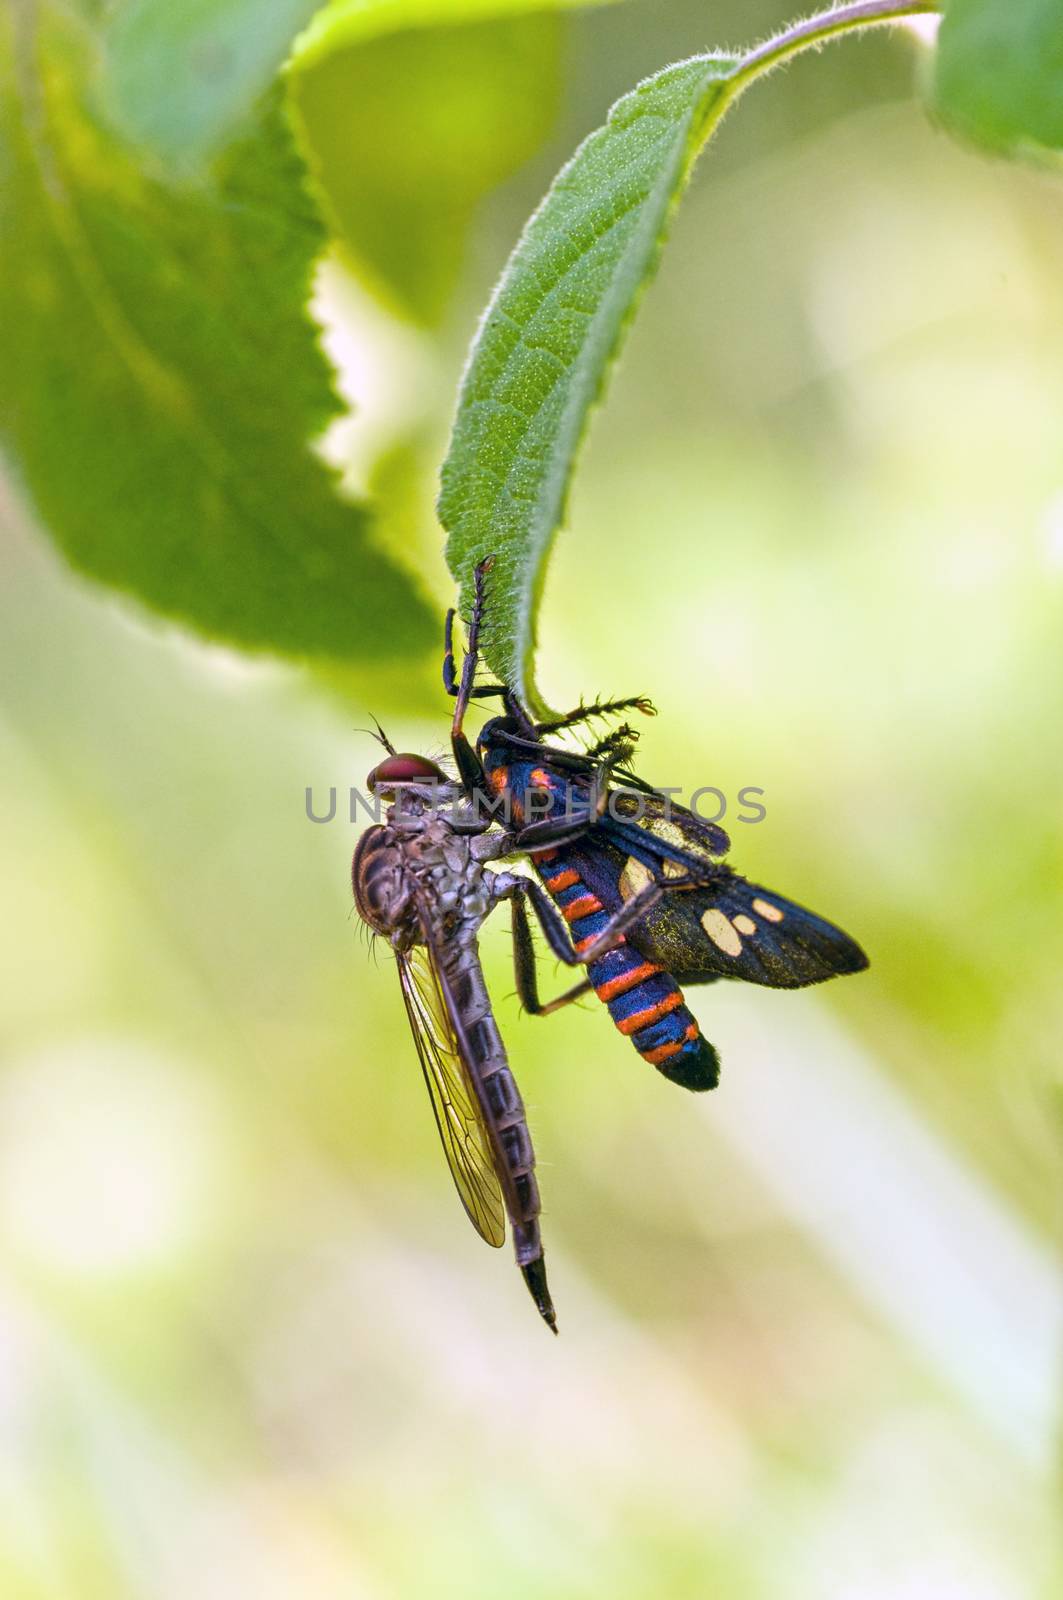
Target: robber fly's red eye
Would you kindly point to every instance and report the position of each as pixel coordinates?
(404, 769)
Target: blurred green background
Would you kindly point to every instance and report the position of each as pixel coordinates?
(809, 1324)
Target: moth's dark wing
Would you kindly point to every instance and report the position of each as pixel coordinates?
(737, 929)
(466, 1143)
(668, 827)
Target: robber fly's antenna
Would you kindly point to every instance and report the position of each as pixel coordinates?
(376, 732)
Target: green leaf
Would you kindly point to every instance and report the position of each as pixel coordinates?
(557, 319)
(341, 23)
(998, 76)
(159, 376)
(178, 79)
(552, 328)
(440, 100)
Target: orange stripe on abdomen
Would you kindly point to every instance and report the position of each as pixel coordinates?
(642, 1019)
(624, 981)
(663, 1052)
(585, 906)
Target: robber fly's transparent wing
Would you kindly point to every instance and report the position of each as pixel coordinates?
(465, 1139)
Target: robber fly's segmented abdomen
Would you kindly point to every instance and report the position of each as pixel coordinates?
(644, 1001)
(504, 1107)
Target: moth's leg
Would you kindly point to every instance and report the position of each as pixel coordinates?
(601, 775)
(600, 708)
(617, 747)
(525, 967)
(631, 780)
(566, 760)
(612, 757)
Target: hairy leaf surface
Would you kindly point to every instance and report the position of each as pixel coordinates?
(548, 337)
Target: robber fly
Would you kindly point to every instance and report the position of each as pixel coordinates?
(646, 901)
(419, 882)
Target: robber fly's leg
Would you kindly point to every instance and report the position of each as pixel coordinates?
(525, 966)
(451, 681)
(546, 835)
(470, 768)
(600, 708)
(450, 674)
(461, 688)
(556, 934)
(550, 832)
(618, 924)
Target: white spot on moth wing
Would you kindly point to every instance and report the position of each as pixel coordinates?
(745, 924)
(635, 876)
(766, 909)
(723, 933)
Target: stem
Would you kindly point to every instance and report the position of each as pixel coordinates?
(826, 25)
